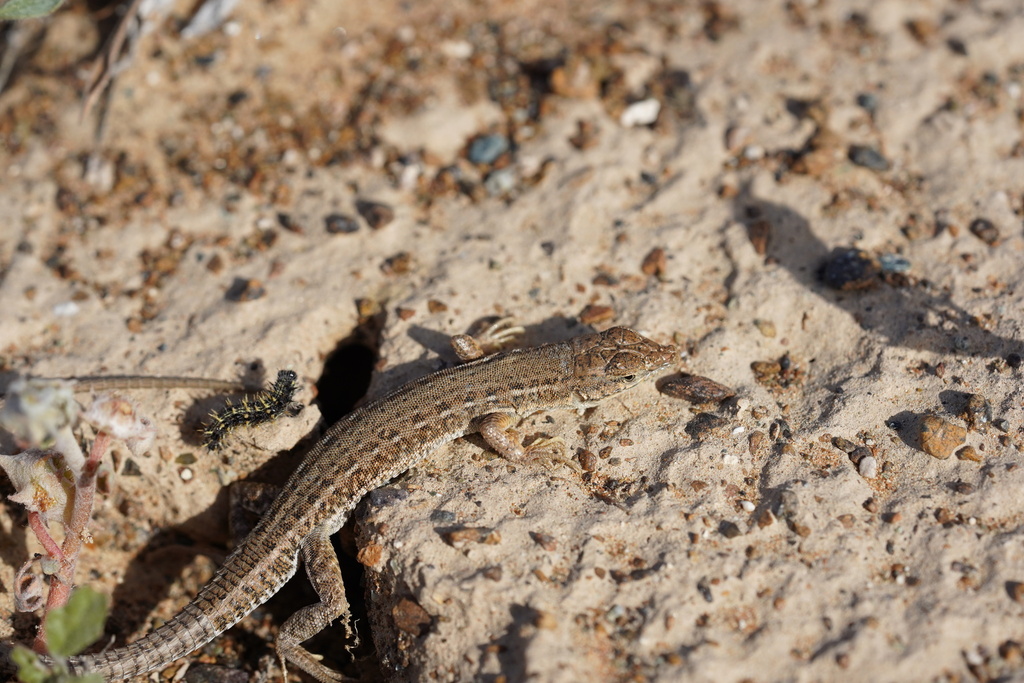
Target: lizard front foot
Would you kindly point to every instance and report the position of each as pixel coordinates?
(496, 337)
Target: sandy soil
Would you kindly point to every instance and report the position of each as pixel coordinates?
(825, 215)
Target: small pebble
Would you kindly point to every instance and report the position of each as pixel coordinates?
(545, 541)
(957, 46)
(654, 263)
(409, 617)
(243, 289)
(1014, 360)
(340, 224)
(977, 412)
(868, 157)
(595, 313)
(756, 442)
(868, 102)
(859, 453)
(500, 182)
(65, 309)
(705, 425)
(695, 389)
(286, 221)
(461, 537)
(985, 230)
(760, 235)
(969, 453)
(375, 214)
(399, 264)
(442, 516)
(642, 113)
(892, 263)
(486, 150)
(845, 445)
(973, 657)
(766, 328)
(850, 269)
(747, 506)
(1016, 590)
(586, 135)
(588, 460)
(370, 555)
(729, 530)
(939, 437)
(868, 467)
(778, 374)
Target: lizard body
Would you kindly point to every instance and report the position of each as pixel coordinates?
(364, 450)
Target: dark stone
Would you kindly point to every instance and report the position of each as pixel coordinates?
(849, 269)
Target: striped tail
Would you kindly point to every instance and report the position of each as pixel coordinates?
(246, 580)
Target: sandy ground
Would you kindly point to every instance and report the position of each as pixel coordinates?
(798, 531)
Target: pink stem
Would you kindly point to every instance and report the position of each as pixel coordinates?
(62, 582)
(35, 522)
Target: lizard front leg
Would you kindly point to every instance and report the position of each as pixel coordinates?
(499, 335)
(324, 573)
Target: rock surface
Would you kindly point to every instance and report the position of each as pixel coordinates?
(757, 552)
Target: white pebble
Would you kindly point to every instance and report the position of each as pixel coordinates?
(457, 49)
(731, 459)
(186, 474)
(65, 309)
(868, 467)
(747, 505)
(753, 152)
(642, 113)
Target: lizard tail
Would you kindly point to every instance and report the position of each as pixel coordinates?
(246, 580)
(187, 631)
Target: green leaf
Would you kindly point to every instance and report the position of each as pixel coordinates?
(27, 9)
(78, 624)
(30, 668)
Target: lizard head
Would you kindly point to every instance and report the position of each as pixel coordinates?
(612, 361)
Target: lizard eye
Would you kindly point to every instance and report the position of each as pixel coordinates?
(629, 378)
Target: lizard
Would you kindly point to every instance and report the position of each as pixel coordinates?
(366, 449)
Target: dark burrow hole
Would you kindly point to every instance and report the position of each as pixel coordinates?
(346, 377)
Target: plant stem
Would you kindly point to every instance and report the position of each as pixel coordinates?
(62, 581)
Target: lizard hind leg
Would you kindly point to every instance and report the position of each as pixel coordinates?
(324, 573)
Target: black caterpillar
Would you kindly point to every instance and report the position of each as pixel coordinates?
(260, 408)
